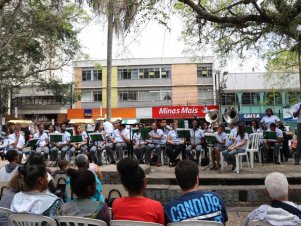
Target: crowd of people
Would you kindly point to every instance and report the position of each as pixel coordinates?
(30, 190)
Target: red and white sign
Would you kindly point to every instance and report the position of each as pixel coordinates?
(181, 111)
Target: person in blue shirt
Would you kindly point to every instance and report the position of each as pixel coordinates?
(194, 204)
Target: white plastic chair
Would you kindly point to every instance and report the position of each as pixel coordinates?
(5, 213)
(238, 159)
(132, 223)
(195, 223)
(75, 221)
(30, 219)
(253, 146)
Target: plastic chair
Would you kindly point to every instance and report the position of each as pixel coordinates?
(253, 146)
(238, 159)
(3, 188)
(4, 214)
(76, 221)
(30, 219)
(196, 223)
(132, 223)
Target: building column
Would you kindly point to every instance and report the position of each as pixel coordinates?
(239, 97)
(261, 102)
(283, 98)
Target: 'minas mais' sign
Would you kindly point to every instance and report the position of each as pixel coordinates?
(181, 111)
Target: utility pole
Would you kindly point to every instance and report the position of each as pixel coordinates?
(109, 57)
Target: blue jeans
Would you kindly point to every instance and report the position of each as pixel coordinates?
(229, 156)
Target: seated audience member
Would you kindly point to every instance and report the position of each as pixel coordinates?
(206, 205)
(35, 200)
(15, 185)
(9, 170)
(82, 163)
(135, 207)
(280, 211)
(218, 147)
(93, 167)
(239, 146)
(39, 159)
(83, 185)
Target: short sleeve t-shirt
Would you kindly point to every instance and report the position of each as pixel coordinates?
(42, 138)
(269, 120)
(296, 108)
(138, 209)
(239, 141)
(196, 205)
(221, 137)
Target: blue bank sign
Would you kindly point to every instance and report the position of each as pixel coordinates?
(251, 116)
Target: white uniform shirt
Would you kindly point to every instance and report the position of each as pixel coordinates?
(239, 141)
(66, 137)
(108, 127)
(12, 138)
(174, 136)
(296, 108)
(117, 136)
(279, 133)
(84, 135)
(158, 132)
(195, 136)
(221, 137)
(42, 138)
(269, 120)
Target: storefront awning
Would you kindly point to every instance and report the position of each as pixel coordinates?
(21, 122)
(81, 121)
(130, 121)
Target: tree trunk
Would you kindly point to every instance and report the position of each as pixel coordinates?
(299, 65)
(109, 57)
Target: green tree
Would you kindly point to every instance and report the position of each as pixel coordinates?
(236, 26)
(35, 36)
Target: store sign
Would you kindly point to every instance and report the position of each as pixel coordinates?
(88, 113)
(181, 111)
(251, 116)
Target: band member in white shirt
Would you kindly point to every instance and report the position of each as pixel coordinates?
(175, 145)
(158, 141)
(98, 146)
(119, 142)
(276, 143)
(218, 147)
(196, 141)
(43, 141)
(108, 127)
(80, 146)
(17, 141)
(139, 145)
(269, 118)
(64, 146)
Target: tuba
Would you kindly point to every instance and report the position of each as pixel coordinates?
(212, 116)
(231, 115)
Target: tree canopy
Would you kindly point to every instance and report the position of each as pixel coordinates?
(36, 36)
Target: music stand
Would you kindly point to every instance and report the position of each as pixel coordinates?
(32, 143)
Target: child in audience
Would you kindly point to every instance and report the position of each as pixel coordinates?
(83, 185)
(135, 207)
(35, 200)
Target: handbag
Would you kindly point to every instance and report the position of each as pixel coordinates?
(109, 200)
(205, 161)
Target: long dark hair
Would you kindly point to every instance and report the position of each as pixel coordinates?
(257, 124)
(241, 130)
(269, 109)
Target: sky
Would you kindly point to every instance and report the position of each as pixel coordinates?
(151, 40)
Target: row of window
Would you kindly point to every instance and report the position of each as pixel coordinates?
(270, 98)
(152, 72)
(91, 96)
(144, 73)
(144, 95)
(36, 100)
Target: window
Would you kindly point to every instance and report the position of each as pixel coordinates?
(229, 99)
(86, 75)
(86, 96)
(292, 98)
(272, 98)
(97, 96)
(205, 95)
(97, 75)
(144, 95)
(144, 72)
(204, 71)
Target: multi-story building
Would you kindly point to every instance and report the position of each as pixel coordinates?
(139, 85)
(252, 93)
